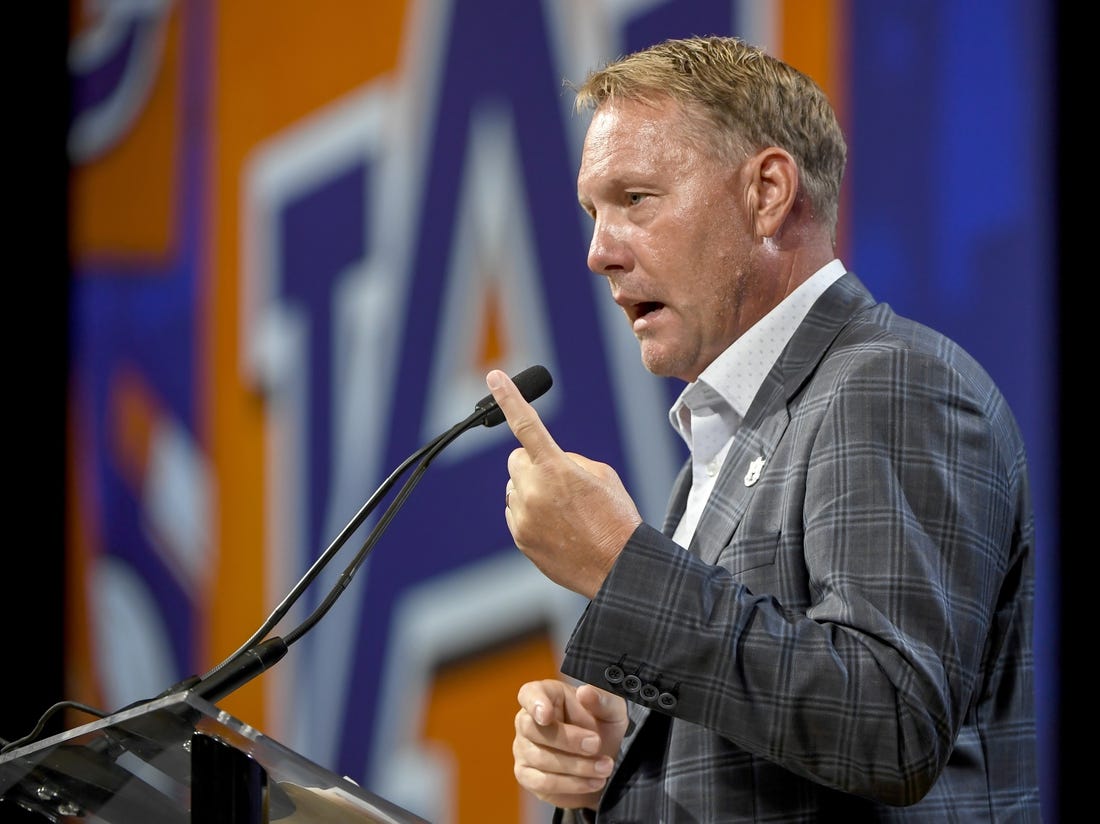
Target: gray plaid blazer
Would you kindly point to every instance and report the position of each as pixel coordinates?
(849, 637)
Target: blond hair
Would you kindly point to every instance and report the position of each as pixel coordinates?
(754, 101)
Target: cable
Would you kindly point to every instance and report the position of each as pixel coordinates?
(41, 725)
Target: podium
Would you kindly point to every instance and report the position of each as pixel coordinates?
(178, 760)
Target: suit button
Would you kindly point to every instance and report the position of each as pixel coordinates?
(666, 700)
(649, 692)
(614, 674)
(632, 683)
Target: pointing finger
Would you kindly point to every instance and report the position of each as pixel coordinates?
(522, 418)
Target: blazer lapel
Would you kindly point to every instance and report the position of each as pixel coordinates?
(768, 418)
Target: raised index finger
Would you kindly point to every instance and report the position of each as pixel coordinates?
(522, 418)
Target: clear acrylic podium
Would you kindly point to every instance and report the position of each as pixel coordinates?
(178, 760)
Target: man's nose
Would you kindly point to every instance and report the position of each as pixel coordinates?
(607, 251)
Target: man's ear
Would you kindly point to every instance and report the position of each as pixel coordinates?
(772, 190)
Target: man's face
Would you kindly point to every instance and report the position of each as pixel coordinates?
(671, 233)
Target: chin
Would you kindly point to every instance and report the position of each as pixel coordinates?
(659, 364)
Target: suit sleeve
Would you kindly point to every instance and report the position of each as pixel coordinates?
(852, 659)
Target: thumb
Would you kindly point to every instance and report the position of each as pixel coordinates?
(522, 418)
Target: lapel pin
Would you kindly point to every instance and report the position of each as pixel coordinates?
(755, 468)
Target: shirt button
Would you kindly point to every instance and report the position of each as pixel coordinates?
(712, 469)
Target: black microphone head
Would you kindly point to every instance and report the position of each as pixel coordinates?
(533, 382)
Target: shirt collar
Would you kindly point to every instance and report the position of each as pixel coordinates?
(735, 376)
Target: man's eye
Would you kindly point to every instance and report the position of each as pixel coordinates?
(634, 198)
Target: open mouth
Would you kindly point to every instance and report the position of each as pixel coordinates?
(645, 308)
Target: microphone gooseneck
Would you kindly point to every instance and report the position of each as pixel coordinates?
(257, 654)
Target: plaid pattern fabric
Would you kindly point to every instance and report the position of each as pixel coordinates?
(849, 636)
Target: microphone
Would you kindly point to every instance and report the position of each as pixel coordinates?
(260, 653)
(533, 382)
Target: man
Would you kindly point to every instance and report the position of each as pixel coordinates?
(835, 622)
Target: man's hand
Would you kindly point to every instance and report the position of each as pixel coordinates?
(566, 741)
(570, 515)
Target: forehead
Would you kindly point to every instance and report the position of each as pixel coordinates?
(623, 120)
(640, 134)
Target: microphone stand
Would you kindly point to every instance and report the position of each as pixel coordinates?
(260, 653)
(255, 655)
